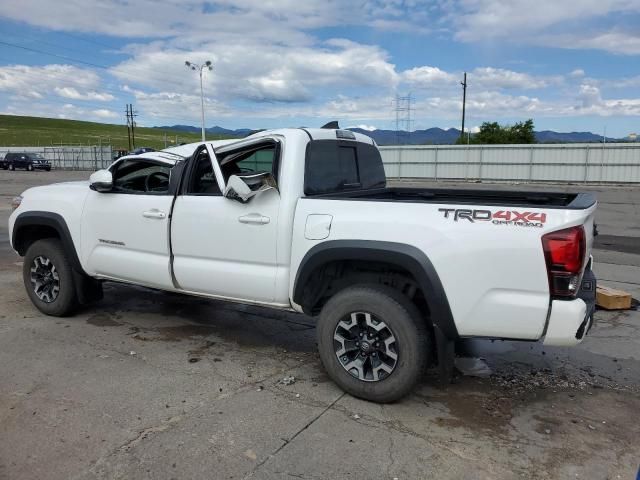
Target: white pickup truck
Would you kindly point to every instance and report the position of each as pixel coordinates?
(303, 220)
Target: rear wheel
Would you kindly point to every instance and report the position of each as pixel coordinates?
(48, 278)
(12, 167)
(373, 342)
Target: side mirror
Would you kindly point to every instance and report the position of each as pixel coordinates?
(244, 187)
(101, 181)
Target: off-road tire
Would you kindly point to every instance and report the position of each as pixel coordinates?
(404, 321)
(66, 300)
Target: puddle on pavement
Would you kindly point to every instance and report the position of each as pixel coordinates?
(560, 366)
(102, 320)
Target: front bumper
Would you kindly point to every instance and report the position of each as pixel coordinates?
(41, 166)
(570, 320)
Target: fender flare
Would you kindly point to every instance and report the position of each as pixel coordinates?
(408, 257)
(46, 219)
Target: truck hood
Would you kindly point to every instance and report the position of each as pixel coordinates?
(57, 187)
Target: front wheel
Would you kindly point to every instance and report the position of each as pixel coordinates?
(373, 342)
(48, 278)
(29, 168)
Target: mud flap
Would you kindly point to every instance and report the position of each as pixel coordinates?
(446, 352)
(88, 289)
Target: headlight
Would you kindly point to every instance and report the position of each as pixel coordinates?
(15, 203)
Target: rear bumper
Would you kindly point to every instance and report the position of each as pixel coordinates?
(570, 320)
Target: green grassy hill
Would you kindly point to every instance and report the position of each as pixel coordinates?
(37, 131)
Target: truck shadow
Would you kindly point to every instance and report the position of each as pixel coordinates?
(160, 316)
(157, 316)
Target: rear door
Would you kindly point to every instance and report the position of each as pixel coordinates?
(125, 232)
(222, 247)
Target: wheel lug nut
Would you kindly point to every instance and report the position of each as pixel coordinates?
(361, 334)
(357, 344)
(344, 359)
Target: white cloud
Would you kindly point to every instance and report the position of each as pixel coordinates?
(488, 77)
(592, 103)
(105, 113)
(269, 62)
(67, 81)
(368, 128)
(428, 76)
(74, 94)
(275, 21)
(479, 78)
(263, 72)
(550, 23)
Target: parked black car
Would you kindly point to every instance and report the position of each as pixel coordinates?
(28, 161)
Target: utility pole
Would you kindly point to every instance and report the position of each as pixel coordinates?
(464, 101)
(128, 126)
(133, 126)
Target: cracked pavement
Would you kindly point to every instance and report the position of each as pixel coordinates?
(153, 385)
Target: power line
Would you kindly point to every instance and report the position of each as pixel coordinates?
(40, 41)
(90, 64)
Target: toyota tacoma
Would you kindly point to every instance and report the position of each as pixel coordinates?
(303, 220)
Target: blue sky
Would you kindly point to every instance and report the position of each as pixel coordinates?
(571, 66)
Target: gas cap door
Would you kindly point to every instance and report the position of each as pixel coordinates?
(318, 226)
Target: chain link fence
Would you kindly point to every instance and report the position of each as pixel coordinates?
(69, 157)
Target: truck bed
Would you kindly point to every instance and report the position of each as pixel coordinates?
(510, 198)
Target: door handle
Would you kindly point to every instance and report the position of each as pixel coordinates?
(154, 214)
(255, 219)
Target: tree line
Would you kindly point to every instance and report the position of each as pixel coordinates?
(494, 133)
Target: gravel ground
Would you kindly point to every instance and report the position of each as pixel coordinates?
(153, 385)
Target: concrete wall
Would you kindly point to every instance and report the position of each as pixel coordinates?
(576, 163)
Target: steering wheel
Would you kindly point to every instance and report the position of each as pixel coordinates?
(158, 177)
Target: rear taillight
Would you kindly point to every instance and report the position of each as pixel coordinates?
(564, 253)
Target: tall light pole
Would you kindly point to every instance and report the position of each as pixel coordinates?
(206, 65)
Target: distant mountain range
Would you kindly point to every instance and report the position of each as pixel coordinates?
(433, 136)
(240, 132)
(439, 136)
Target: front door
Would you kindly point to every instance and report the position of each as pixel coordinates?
(125, 232)
(222, 247)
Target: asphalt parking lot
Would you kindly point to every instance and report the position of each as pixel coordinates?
(152, 385)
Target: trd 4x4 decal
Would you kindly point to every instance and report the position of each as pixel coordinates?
(501, 217)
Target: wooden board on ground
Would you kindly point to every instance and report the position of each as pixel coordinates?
(612, 299)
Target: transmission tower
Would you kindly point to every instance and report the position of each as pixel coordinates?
(403, 109)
